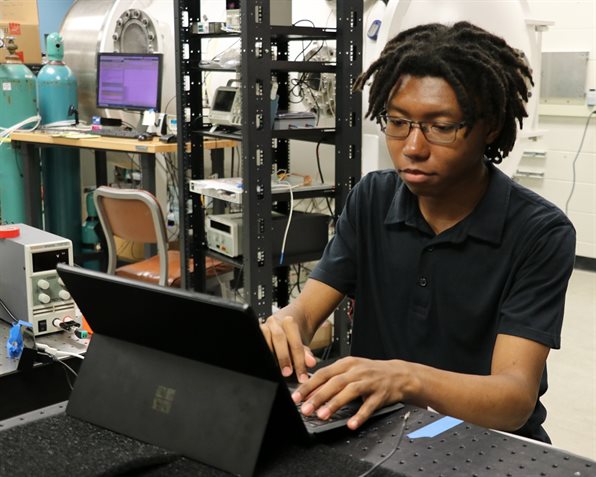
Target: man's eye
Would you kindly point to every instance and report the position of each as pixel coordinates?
(442, 128)
(396, 122)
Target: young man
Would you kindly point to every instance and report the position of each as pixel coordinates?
(458, 274)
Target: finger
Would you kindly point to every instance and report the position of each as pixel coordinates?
(267, 334)
(326, 398)
(318, 383)
(309, 358)
(368, 407)
(279, 344)
(305, 391)
(296, 348)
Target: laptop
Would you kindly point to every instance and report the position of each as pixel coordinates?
(182, 370)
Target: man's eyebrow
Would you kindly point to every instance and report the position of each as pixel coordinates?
(391, 108)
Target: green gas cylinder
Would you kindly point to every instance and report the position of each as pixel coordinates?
(61, 169)
(18, 102)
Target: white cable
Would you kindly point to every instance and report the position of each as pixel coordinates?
(67, 125)
(23, 122)
(5, 132)
(579, 150)
(57, 124)
(387, 456)
(283, 244)
(56, 352)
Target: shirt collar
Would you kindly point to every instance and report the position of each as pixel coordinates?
(404, 206)
(486, 222)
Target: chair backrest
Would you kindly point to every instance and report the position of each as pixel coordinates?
(132, 215)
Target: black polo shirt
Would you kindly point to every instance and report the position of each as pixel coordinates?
(440, 300)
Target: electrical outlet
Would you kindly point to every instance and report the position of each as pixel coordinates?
(591, 97)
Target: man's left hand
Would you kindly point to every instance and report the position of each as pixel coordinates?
(378, 383)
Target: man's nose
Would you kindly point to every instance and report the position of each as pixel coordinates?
(416, 145)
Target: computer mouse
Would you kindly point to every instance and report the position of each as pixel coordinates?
(168, 138)
(143, 137)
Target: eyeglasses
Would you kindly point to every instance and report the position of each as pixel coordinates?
(435, 132)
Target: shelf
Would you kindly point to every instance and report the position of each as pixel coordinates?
(220, 34)
(238, 262)
(279, 194)
(231, 134)
(279, 32)
(306, 192)
(303, 66)
(296, 33)
(323, 135)
(210, 67)
(280, 66)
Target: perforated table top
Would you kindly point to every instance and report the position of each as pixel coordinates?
(463, 450)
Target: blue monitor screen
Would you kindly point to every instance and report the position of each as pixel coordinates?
(129, 81)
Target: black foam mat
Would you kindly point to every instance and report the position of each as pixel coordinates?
(61, 445)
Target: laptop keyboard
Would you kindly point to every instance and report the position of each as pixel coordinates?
(340, 417)
(342, 414)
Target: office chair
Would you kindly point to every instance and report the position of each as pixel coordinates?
(135, 215)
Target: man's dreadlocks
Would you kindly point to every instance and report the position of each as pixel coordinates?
(491, 79)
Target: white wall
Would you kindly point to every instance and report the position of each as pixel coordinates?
(574, 30)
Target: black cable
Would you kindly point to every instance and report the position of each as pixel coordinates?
(304, 20)
(295, 284)
(575, 159)
(321, 175)
(309, 43)
(235, 287)
(47, 357)
(302, 85)
(399, 438)
(172, 189)
(319, 160)
(14, 319)
(171, 173)
(302, 82)
(68, 381)
(239, 160)
(67, 367)
(312, 55)
(168, 104)
(232, 166)
(298, 278)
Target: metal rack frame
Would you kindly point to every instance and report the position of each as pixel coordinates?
(262, 280)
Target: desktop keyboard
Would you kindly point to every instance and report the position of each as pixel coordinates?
(116, 132)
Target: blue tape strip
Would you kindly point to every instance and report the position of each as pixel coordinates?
(14, 343)
(435, 428)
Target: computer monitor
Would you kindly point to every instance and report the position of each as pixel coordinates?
(227, 107)
(129, 81)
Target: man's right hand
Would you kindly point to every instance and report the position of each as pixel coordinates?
(285, 341)
(290, 328)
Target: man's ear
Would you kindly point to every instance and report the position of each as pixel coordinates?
(494, 129)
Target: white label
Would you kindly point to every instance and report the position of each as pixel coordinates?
(6, 86)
